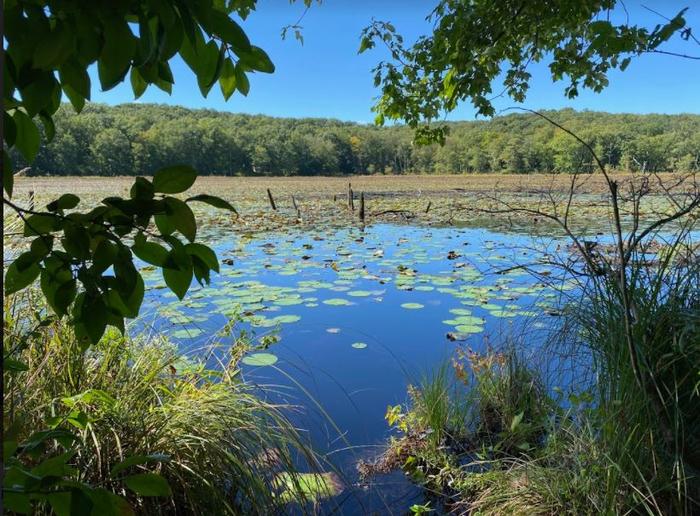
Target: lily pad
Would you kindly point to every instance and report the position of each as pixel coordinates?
(314, 486)
(412, 306)
(336, 301)
(260, 359)
(359, 293)
(287, 318)
(187, 334)
(469, 328)
(359, 345)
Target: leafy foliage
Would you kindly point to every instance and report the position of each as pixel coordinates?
(473, 43)
(92, 276)
(134, 39)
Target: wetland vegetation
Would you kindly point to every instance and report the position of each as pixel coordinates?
(526, 342)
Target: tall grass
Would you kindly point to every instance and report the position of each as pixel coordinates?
(223, 450)
(649, 423)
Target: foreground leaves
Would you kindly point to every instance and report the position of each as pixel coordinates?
(92, 276)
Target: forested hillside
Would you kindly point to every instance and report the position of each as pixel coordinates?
(136, 139)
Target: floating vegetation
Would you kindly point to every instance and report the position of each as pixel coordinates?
(314, 486)
(412, 306)
(337, 301)
(260, 359)
(187, 333)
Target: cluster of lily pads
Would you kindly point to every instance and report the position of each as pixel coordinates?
(274, 279)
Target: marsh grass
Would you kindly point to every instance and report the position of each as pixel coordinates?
(650, 432)
(218, 445)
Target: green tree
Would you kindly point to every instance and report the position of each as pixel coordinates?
(112, 151)
(475, 42)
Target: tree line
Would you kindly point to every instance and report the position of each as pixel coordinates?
(136, 139)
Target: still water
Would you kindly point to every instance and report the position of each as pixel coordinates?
(351, 316)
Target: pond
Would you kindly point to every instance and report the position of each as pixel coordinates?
(350, 316)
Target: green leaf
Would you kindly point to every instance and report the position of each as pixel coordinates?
(212, 200)
(38, 439)
(91, 317)
(104, 256)
(16, 280)
(65, 202)
(53, 48)
(107, 503)
(57, 284)
(60, 503)
(76, 100)
(41, 246)
(151, 252)
(227, 80)
(75, 76)
(178, 280)
(76, 241)
(118, 49)
(148, 484)
(13, 366)
(49, 126)
(17, 502)
(55, 466)
(40, 224)
(128, 302)
(164, 225)
(37, 95)
(28, 138)
(204, 253)
(257, 59)
(10, 131)
(172, 180)
(181, 217)
(25, 260)
(110, 76)
(138, 83)
(228, 30)
(242, 82)
(211, 61)
(139, 459)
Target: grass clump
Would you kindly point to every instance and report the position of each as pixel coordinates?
(131, 426)
(648, 408)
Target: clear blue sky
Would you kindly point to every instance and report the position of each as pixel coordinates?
(327, 78)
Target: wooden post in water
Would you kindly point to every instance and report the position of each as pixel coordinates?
(272, 201)
(31, 200)
(351, 200)
(427, 208)
(362, 207)
(294, 203)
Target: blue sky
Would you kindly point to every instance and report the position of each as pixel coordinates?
(327, 78)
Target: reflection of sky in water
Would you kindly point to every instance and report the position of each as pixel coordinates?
(397, 289)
